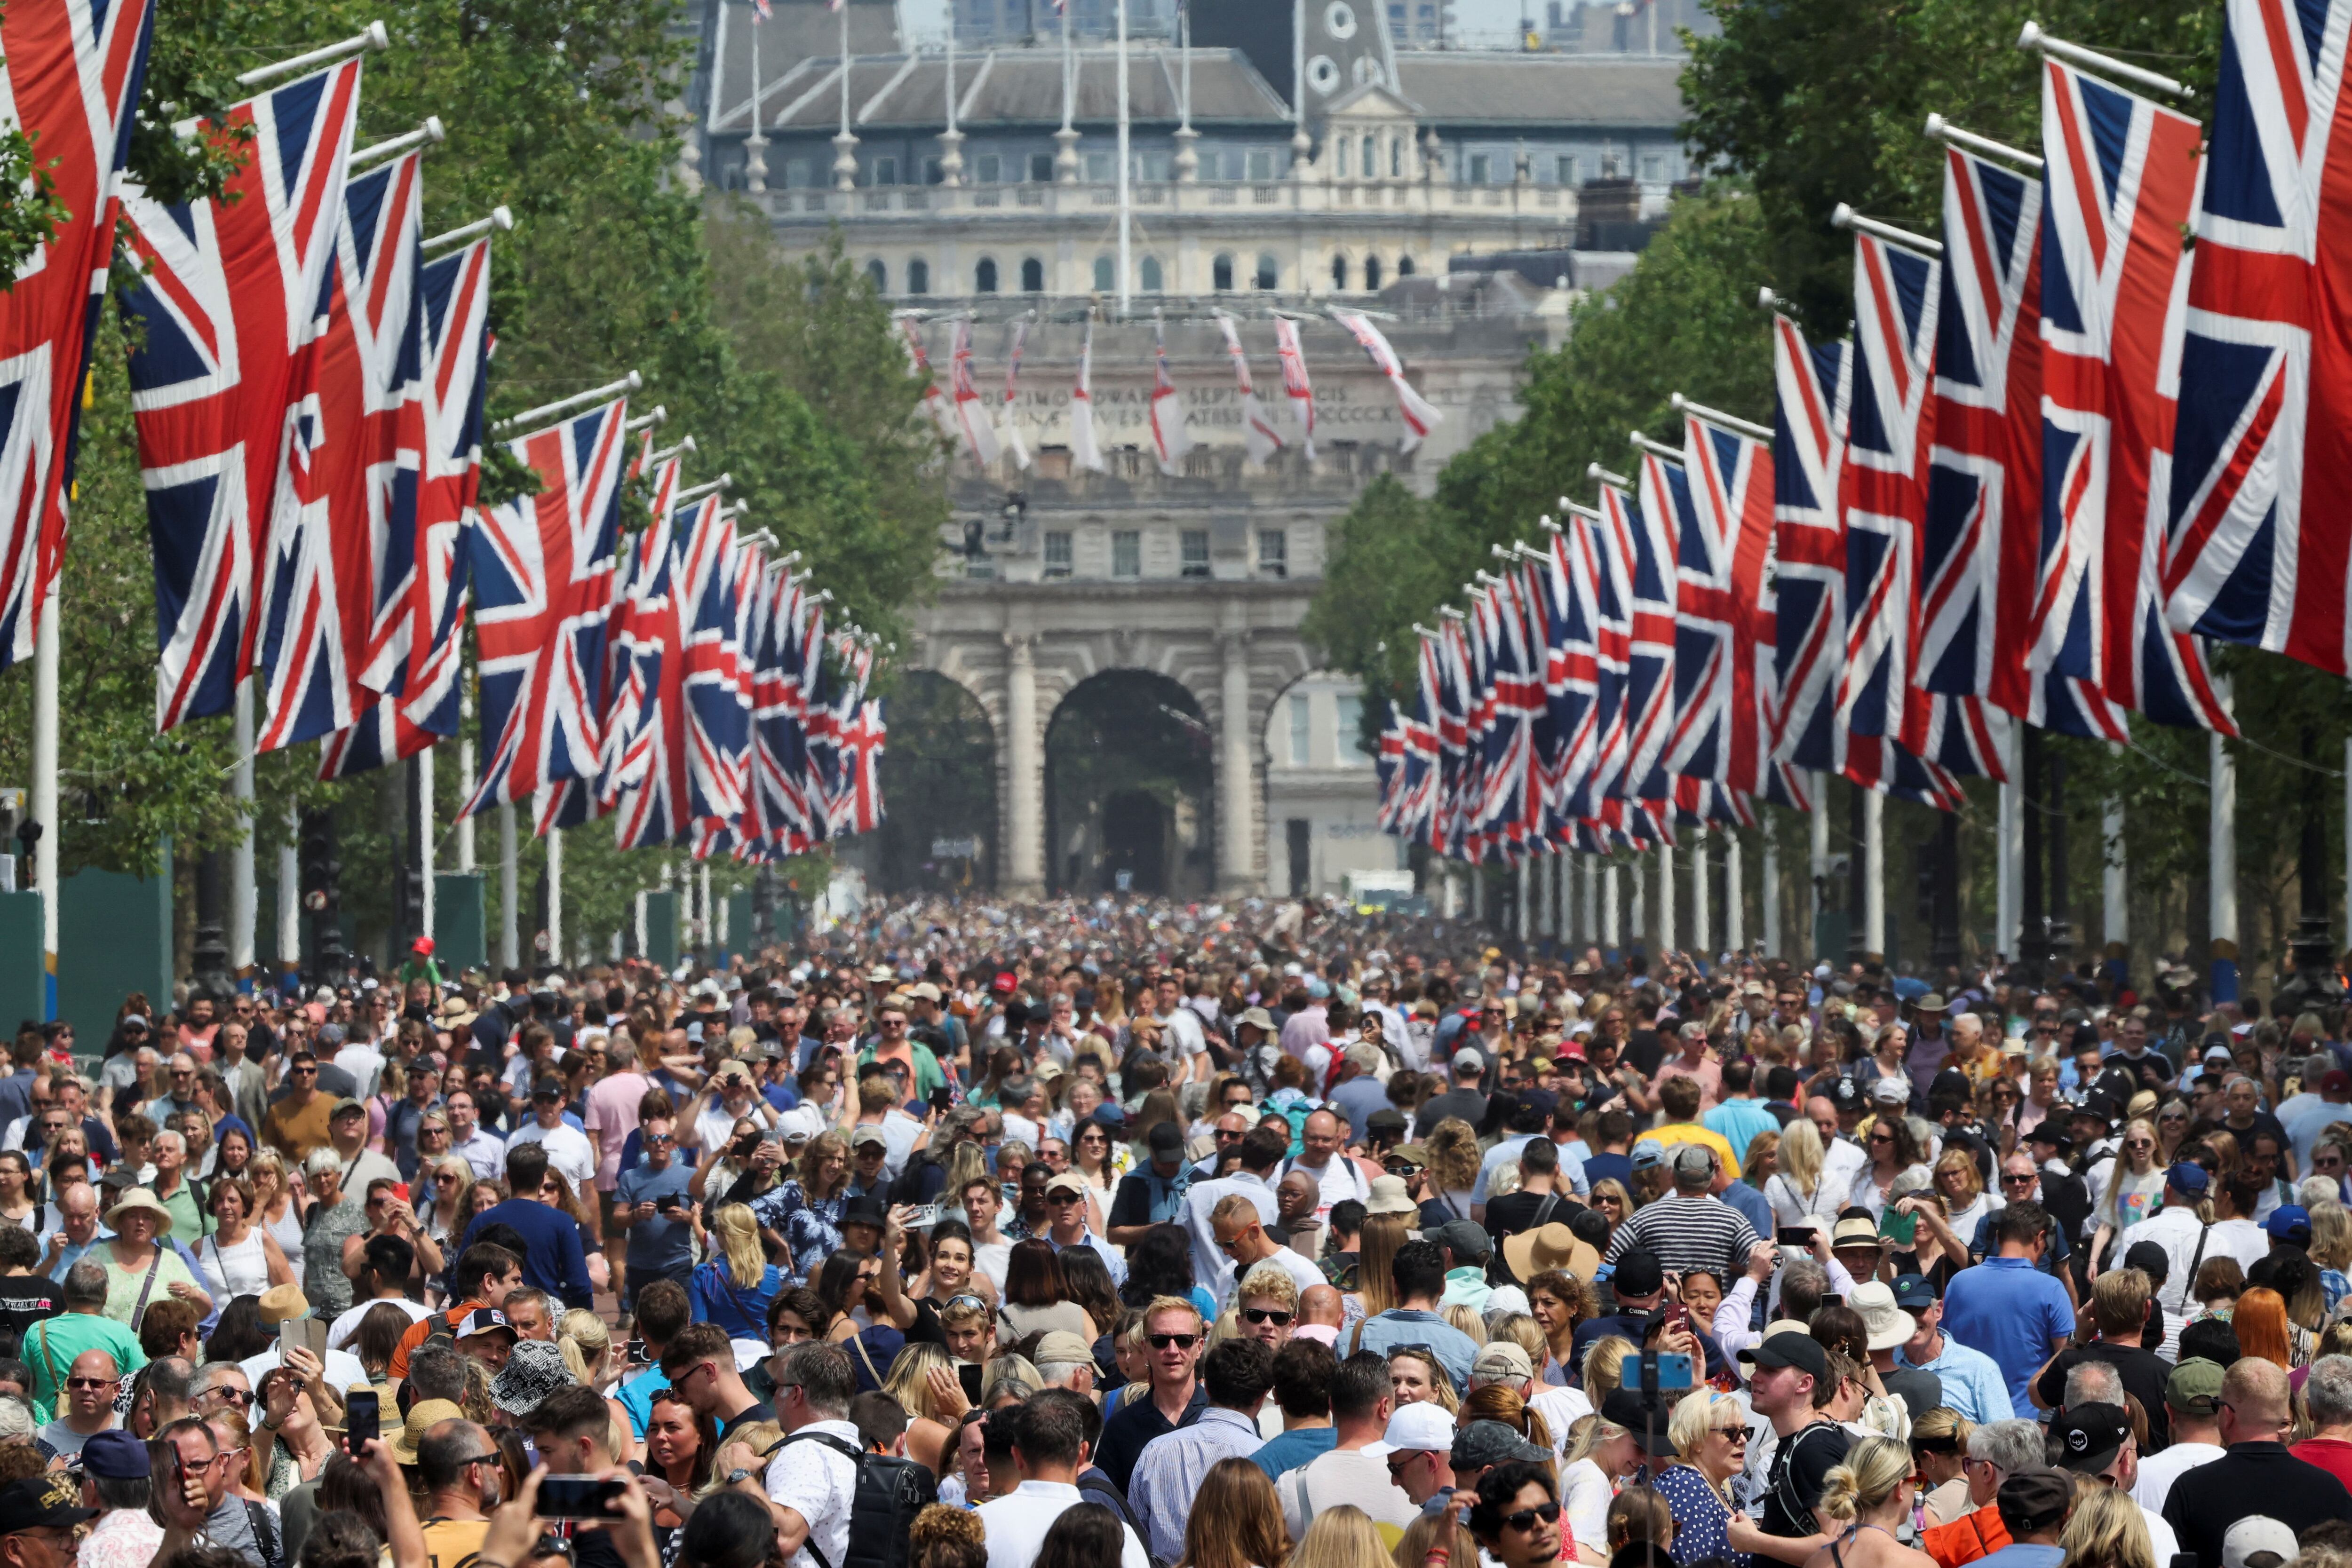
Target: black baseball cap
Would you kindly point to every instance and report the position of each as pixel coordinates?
(46, 1501)
(2033, 1498)
(1166, 1137)
(1788, 1348)
(2088, 1437)
(1639, 1273)
(1624, 1407)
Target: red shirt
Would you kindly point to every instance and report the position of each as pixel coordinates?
(2332, 1455)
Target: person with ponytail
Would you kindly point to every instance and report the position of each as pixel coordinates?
(736, 1285)
(1864, 1501)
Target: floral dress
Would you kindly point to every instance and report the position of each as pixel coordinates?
(811, 1226)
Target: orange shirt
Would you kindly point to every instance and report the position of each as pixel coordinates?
(419, 1330)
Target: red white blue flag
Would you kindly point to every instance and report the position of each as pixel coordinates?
(1811, 385)
(2258, 551)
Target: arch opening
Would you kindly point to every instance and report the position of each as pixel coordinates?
(938, 789)
(1130, 787)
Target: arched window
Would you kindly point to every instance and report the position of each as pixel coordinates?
(1339, 273)
(1032, 275)
(1339, 154)
(983, 277)
(1221, 274)
(1371, 160)
(878, 276)
(918, 276)
(1152, 282)
(1405, 266)
(1105, 278)
(1269, 273)
(1371, 274)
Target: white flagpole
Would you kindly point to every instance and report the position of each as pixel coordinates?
(2221, 830)
(1874, 873)
(465, 774)
(424, 834)
(509, 917)
(289, 896)
(44, 784)
(555, 895)
(243, 898)
(1771, 891)
(1126, 195)
(1735, 896)
(755, 146)
(1818, 872)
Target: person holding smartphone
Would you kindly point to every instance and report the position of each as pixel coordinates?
(652, 1206)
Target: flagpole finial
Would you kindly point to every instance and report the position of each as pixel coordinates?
(1765, 299)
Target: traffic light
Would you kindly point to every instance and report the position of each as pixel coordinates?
(321, 872)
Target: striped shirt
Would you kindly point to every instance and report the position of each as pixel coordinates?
(1684, 1233)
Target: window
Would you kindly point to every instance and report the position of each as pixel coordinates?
(1405, 266)
(1371, 274)
(1154, 165)
(1269, 272)
(1221, 274)
(1057, 552)
(1104, 281)
(1272, 552)
(878, 276)
(983, 277)
(1339, 273)
(1126, 553)
(1478, 165)
(1261, 163)
(797, 176)
(1153, 279)
(918, 276)
(1396, 158)
(1396, 20)
(1551, 15)
(885, 170)
(1302, 714)
(1340, 145)
(987, 169)
(1653, 167)
(1041, 167)
(1100, 170)
(1371, 159)
(1195, 543)
(1564, 169)
(1032, 275)
(934, 173)
(1347, 729)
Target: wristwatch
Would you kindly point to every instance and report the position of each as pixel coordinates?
(739, 1475)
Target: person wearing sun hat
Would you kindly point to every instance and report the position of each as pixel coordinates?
(533, 1370)
(142, 1266)
(423, 1416)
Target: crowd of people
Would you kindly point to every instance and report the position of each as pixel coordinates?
(1268, 1235)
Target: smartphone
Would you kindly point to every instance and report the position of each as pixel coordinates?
(1674, 1372)
(943, 1098)
(635, 1352)
(363, 1420)
(1800, 1237)
(1677, 1316)
(303, 1334)
(923, 1216)
(1903, 1229)
(669, 1203)
(576, 1496)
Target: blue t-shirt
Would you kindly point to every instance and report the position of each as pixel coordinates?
(2014, 1313)
(661, 1245)
(636, 1396)
(1287, 1451)
(1618, 1168)
(717, 1298)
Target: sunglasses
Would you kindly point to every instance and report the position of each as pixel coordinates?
(1181, 1341)
(1526, 1518)
(92, 1382)
(1273, 1315)
(1736, 1436)
(237, 1397)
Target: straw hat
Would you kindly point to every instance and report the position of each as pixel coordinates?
(138, 1200)
(281, 1303)
(423, 1416)
(1553, 1245)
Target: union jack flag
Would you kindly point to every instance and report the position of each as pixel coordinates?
(861, 747)
(1649, 529)
(1813, 385)
(717, 718)
(1883, 483)
(228, 309)
(71, 75)
(1719, 625)
(1009, 424)
(2123, 175)
(542, 571)
(337, 622)
(455, 294)
(1294, 384)
(650, 808)
(2266, 355)
(1608, 539)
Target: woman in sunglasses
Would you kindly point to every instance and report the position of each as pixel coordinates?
(1517, 1518)
(1709, 1431)
(1866, 1500)
(2130, 1184)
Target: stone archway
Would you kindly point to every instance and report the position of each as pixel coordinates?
(939, 786)
(1129, 788)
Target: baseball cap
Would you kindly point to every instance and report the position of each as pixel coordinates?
(2195, 1386)
(1166, 1137)
(2258, 1542)
(1062, 1348)
(1890, 1092)
(1624, 1407)
(484, 1320)
(1787, 1348)
(46, 1501)
(2088, 1437)
(1648, 1155)
(1469, 1059)
(1913, 1292)
(868, 1134)
(1067, 1181)
(548, 1089)
(2290, 1222)
(1484, 1443)
(115, 1455)
(1501, 1361)
(1467, 1238)
(1693, 1163)
(2033, 1498)
(1423, 1426)
(1639, 1273)
(2189, 1177)
(343, 1106)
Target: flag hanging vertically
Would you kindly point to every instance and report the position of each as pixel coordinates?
(1812, 387)
(226, 309)
(1719, 563)
(2122, 174)
(971, 411)
(1084, 453)
(2258, 552)
(1008, 428)
(1257, 431)
(1294, 384)
(455, 294)
(71, 72)
(1650, 517)
(935, 402)
(1419, 417)
(703, 584)
(542, 572)
(1170, 439)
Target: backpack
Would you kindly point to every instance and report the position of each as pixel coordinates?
(889, 1493)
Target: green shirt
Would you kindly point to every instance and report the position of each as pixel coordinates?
(51, 1344)
(928, 1074)
(189, 1221)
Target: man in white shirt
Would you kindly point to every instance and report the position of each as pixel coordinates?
(360, 1056)
(813, 1478)
(1050, 1449)
(2192, 1406)
(568, 1149)
(2186, 1240)
(1261, 1152)
(992, 1254)
(1336, 1178)
(1241, 1236)
(1182, 1039)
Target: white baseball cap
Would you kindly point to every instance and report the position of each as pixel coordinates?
(2256, 1534)
(1423, 1427)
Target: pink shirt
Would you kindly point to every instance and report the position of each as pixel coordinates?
(612, 1115)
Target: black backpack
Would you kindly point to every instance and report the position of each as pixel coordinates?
(888, 1495)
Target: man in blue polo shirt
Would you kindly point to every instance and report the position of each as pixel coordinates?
(2008, 1308)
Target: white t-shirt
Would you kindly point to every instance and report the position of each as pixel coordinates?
(1585, 1495)
(1182, 1029)
(1016, 1525)
(366, 1064)
(340, 1333)
(2158, 1471)
(1561, 1408)
(568, 1150)
(817, 1483)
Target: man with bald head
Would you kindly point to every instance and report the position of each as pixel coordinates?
(459, 1467)
(88, 1409)
(2256, 1412)
(1336, 1177)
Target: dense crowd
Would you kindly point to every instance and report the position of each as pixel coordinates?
(1259, 1235)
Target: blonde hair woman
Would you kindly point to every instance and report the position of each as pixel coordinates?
(1602, 1358)
(1796, 1189)
(1437, 1540)
(735, 1286)
(1454, 1157)
(2107, 1529)
(923, 1381)
(443, 1217)
(1600, 1455)
(1863, 1502)
(1341, 1537)
(1375, 1250)
(1939, 1446)
(1710, 1432)
(2135, 1183)
(1497, 1403)
(1417, 1377)
(1464, 1318)
(586, 1344)
(275, 1208)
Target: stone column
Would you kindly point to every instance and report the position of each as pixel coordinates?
(1237, 828)
(1024, 771)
